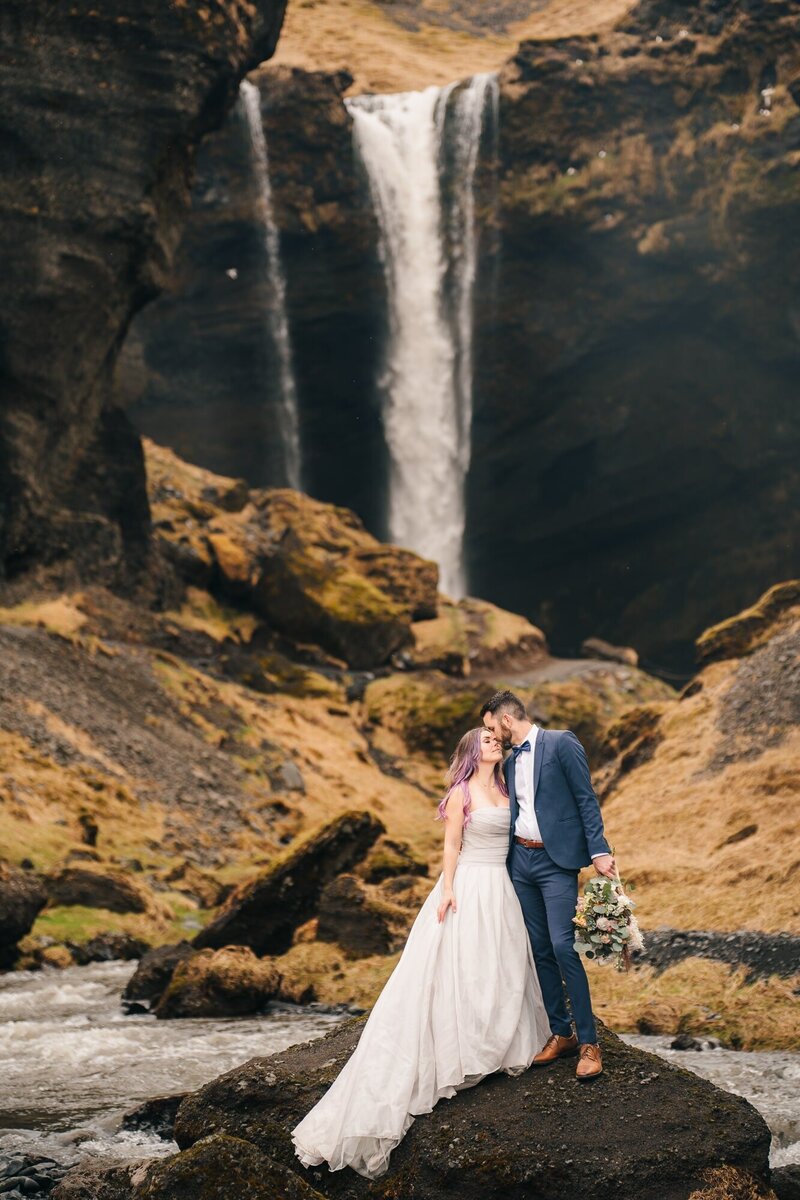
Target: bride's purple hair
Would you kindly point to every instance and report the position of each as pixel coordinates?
(463, 765)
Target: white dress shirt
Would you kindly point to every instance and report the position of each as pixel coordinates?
(526, 825)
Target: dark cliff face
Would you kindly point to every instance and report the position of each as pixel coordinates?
(103, 104)
(637, 395)
(200, 370)
(637, 334)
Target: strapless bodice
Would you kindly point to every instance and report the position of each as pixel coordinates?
(485, 838)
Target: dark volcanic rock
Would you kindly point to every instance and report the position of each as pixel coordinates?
(635, 388)
(155, 971)
(264, 913)
(357, 920)
(103, 104)
(156, 1115)
(224, 1168)
(763, 954)
(643, 1131)
(22, 896)
(98, 888)
(786, 1182)
(108, 947)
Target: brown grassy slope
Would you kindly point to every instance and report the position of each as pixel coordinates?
(708, 825)
(398, 47)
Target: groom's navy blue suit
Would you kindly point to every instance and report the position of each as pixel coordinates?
(546, 881)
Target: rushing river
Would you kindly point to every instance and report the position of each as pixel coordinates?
(73, 1063)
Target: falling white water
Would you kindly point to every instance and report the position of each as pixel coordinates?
(278, 320)
(427, 381)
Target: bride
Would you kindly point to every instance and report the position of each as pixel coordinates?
(462, 1002)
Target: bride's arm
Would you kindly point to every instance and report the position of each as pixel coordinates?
(453, 828)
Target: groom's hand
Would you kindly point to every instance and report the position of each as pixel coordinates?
(605, 864)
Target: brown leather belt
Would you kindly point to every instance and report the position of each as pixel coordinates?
(529, 843)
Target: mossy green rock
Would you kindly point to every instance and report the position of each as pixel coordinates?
(264, 913)
(224, 1168)
(427, 708)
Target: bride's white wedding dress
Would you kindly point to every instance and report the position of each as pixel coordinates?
(462, 1002)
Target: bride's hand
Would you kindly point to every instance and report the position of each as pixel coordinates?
(448, 901)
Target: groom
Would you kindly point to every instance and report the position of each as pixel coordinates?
(556, 828)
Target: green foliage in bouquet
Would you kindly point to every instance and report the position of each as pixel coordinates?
(605, 928)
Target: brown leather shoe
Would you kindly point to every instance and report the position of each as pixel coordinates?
(590, 1062)
(555, 1047)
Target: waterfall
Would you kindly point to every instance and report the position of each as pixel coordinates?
(430, 262)
(288, 418)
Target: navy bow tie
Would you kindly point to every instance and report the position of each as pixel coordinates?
(517, 750)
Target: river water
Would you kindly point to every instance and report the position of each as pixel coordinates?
(71, 1063)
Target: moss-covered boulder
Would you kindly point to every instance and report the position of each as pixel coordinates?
(100, 887)
(475, 635)
(264, 913)
(428, 709)
(219, 983)
(224, 1168)
(643, 1131)
(155, 971)
(431, 710)
(388, 859)
(589, 698)
(22, 896)
(200, 885)
(359, 920)
(310, 569)
(744, 632)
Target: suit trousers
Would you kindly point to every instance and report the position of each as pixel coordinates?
(548, 895)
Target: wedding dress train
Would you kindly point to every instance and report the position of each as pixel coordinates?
(462, 1002)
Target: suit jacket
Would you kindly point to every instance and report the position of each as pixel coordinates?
(566, 806)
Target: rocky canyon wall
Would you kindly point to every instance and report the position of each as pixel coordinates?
(102, 107)
(637, 397)
(636, 346)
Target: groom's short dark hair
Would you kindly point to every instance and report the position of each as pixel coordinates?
(502, 702)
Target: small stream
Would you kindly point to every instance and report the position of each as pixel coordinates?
(72, 1063)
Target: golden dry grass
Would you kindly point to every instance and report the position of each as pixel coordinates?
(703, 998)
(670, 819)
(361, 37)
(731, 1183)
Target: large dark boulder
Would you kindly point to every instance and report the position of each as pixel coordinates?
(104, 103)
(224, 1168)
(22, 896)
(264, 913)
(359, 920)
(230, 982)
(96, 887)
(156, 1116)
(155, 971)
(643, 1131)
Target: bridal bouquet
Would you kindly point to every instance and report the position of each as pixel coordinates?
(605, 927)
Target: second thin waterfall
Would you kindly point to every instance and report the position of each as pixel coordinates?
(430, 262)
(288, 420)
